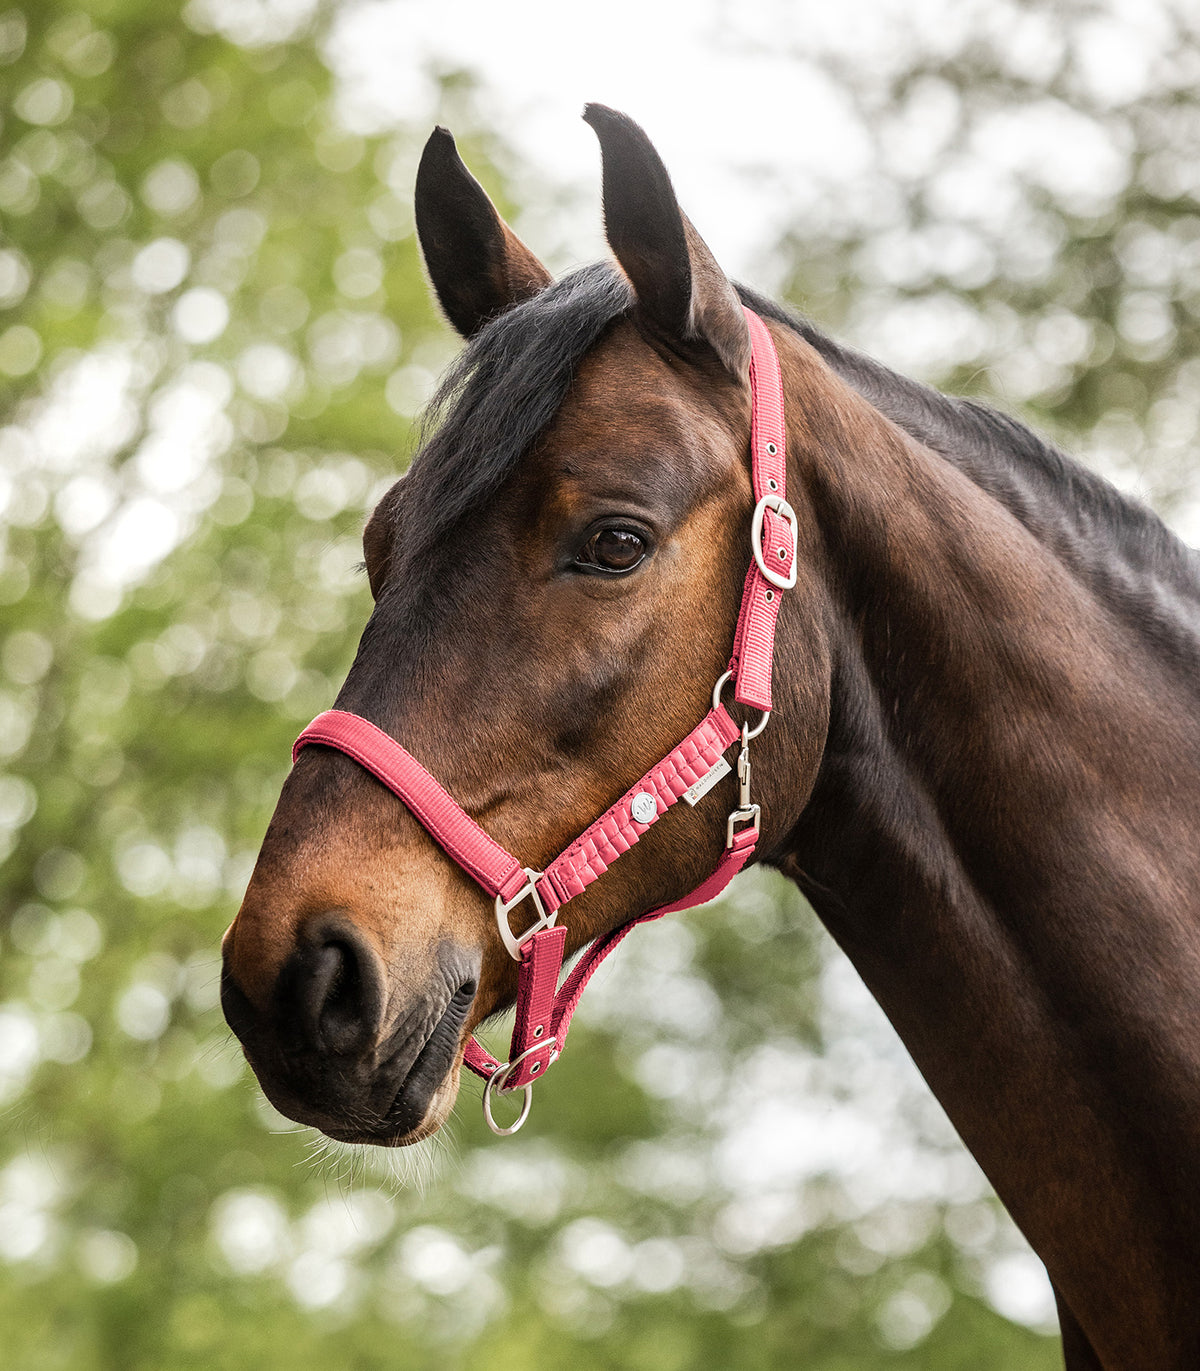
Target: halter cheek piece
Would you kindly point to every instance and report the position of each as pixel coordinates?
(543, 1011)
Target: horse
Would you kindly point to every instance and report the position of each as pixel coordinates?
(982, 766)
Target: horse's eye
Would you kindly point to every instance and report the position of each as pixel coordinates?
(612, 550)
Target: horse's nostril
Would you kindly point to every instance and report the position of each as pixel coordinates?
(339, 986)
(339, 1018)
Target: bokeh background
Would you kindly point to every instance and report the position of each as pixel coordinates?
(215, 337)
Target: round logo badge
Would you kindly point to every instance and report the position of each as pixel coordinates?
(642, 807)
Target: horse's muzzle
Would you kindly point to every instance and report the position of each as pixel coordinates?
(341, 1048)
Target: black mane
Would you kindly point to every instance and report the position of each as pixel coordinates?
(501, 395)
(513, 377)
(1113, 540)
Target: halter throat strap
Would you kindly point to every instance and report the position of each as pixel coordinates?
(543, 1008)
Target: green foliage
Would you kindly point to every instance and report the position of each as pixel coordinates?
(215, 337)
(1033, 232)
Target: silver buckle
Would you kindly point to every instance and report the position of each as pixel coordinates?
(745, 812)
(543, 920)
(785, 511)
(750, 813)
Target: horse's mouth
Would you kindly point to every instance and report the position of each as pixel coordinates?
(426, 1095)
(436, 1114)
(359, 1098)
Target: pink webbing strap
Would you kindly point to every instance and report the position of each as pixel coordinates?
(533, 1046)
(454, 830)
(732, 861)
(540, 1010)
(754, 641)
(542, 1016)
(616, 830)
(546, 952)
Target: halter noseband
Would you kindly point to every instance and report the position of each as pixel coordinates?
(688, 772)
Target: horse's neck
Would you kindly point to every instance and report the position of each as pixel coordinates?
(1002, 837)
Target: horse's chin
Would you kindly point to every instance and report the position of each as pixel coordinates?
(440, 1108)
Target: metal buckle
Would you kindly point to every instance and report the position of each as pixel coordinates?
(745, 812)
(495, 1082)
(543, 920)
(716, 700)
(740, 816)
(785, 511)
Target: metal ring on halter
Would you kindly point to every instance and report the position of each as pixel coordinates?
(747, 733)
(496, 1082)
(526, 1106)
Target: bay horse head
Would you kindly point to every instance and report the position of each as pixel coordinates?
(556, 584)
(983, 769)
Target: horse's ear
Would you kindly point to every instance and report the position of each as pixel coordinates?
(478, 265)
(683, 296)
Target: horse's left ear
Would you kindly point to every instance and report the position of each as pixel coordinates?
(477, 264)
(684, 299)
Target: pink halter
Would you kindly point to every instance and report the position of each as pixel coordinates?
(688, 772)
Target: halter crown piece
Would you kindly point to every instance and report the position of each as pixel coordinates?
(688, 772)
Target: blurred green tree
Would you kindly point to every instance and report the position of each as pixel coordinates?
(215, 337)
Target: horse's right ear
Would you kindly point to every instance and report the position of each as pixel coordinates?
(477, 264)
(684, 299)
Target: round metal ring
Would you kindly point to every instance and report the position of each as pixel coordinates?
(758, 728)
(496, 1082)
(716, 700)
(526, 1105)
(720, 686)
